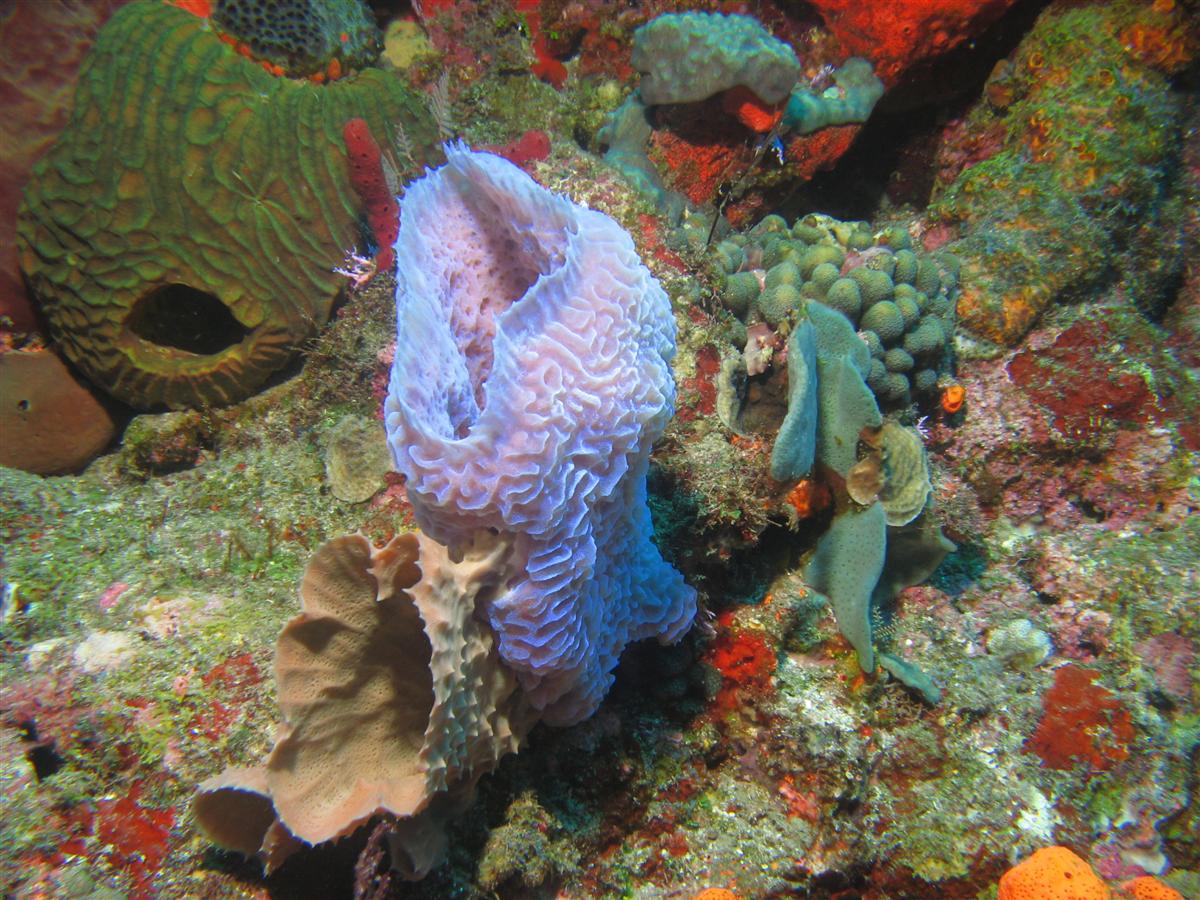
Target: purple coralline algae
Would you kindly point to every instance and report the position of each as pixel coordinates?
(530, 380)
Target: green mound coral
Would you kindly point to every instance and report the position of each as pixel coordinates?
(864, 277)
(182, 233)
(303, 36)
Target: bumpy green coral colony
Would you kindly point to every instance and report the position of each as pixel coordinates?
(182, 234)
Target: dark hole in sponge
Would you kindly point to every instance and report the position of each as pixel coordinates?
(185, 318)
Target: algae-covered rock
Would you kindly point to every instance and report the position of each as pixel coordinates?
(49, 422)
(356, 459)
(182, 233)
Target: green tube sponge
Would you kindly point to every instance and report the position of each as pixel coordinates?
(844, 296)
(688, 57)
(777, 303)
(896, 237)
(846, 567)
(741, 289)
(851, 99)
(771, 224)
(906, 267)
(886, 320)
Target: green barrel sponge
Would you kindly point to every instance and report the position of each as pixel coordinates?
(741, 289)
(783, 273)
(181, 235)
(874, 285)
(897, 360)
(688, 57)
(844, 296)
(906, 267)
(778, 302)
(886, 320)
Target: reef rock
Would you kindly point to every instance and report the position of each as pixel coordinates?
(50, 424)
(394, 700)
(530, 380)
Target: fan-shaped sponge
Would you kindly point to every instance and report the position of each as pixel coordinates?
(393, 695)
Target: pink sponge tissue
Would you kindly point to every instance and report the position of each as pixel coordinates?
(531, 378)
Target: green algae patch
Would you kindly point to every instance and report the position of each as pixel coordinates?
(1076, 187)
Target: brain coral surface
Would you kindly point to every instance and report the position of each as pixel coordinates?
(530, 380)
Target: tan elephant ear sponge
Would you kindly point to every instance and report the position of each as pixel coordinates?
(391, 689)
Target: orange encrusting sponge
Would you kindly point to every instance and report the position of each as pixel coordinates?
(1150, 888)
(1052, 873)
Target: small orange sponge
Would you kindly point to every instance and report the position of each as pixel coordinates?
(1052, 873)
(1150, 888)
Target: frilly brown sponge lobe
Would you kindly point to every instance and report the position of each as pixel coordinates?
(181, 235)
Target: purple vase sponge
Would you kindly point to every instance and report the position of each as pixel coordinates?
(530, 380)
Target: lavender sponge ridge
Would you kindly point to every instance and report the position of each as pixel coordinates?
(531, 378)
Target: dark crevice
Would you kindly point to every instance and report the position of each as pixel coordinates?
(184, 318)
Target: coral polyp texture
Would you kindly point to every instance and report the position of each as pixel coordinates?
(303, 37)
(393, 697)
(181, 235)
(530, 380)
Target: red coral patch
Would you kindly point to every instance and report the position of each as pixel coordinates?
(1081, 722)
